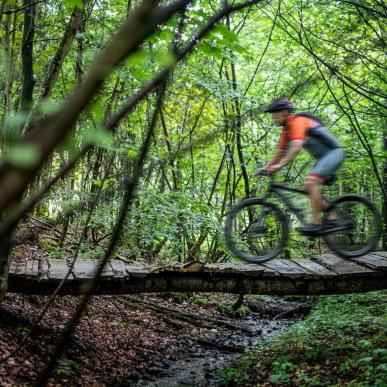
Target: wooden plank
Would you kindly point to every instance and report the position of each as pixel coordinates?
(58, 270)
(85, 268)
(44, 269)
(253, 270)
(193, 266)
(343, 267)
(315, 268)
(107, 271)
(274, 277)
(139, 271)
(17, 268)
(372, 261)
(287, 268)
(246, 269)
(220, 267)
(115, 268)
(382, 254)
(32, 268)
(13, 267)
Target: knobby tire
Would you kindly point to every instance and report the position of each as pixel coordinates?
(250, 256)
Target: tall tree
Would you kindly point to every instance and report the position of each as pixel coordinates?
(27, 54)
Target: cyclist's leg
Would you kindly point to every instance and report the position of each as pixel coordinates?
(313, 186)
(323, 169)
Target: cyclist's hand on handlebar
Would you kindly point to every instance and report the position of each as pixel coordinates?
(262, 172)
(274, 168)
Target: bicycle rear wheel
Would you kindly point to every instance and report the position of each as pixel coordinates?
(359, 228)
(255, 230)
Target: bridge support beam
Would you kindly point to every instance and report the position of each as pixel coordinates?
(193, 283)
(318, 275)
(5, 247)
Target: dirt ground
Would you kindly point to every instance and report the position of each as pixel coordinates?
(117, 340)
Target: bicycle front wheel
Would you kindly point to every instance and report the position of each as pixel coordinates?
(255, 230)
(359, 226)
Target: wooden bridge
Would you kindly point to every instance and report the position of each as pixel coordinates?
(323, 274)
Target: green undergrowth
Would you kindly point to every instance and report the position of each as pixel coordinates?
(229, 311)
(341, 342)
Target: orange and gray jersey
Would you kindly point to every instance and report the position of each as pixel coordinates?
(317, 140)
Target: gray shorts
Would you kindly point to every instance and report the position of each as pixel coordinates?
(328, 164)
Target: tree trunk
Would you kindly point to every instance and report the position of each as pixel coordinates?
(74, 25)
(2, 6)
(140, 24)
(237, 124)
(27, 54)
(8, 78)
(5, 246)
(384, 209)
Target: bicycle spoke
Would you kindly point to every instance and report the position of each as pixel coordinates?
(359, 226)
(255, 231)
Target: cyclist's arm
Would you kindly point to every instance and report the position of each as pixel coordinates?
(277, 157)
(294, 150)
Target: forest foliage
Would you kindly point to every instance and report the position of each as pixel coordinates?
(130, 127)
(211, 135)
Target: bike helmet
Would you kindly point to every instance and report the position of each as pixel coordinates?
(279, 104)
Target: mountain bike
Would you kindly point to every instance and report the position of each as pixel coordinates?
(257, 230)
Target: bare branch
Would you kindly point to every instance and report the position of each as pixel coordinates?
(17, 214)
(139, 25)
(131, 186)
(22, 8)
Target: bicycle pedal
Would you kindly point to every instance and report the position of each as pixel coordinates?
(310, 234)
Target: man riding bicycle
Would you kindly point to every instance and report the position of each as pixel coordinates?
(303, 130)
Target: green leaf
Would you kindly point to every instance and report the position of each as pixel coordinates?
(73, 3)
(380, 352)
(23, 155)
(15, 121)
(236, 47)
(365, 343)
(132, 153)
(98, 111)
(138, 58)
(140, 74)
(98, 136)
(69, 145)
(210, 50)
(165, 35)
(104, 183)
(366, 359)
(49, 106)
(166, 58)
(228, 36)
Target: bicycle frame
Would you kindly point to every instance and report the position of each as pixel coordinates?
(277, 189)
(257, 229)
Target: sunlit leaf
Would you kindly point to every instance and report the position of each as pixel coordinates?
(23, 155)
(73, 3)
(98, 136)
(48, 106)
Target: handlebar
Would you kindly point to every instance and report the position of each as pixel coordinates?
(263, 174)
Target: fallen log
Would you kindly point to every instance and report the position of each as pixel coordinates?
(190, 317)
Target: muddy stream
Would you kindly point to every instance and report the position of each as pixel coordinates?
(198, 364)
